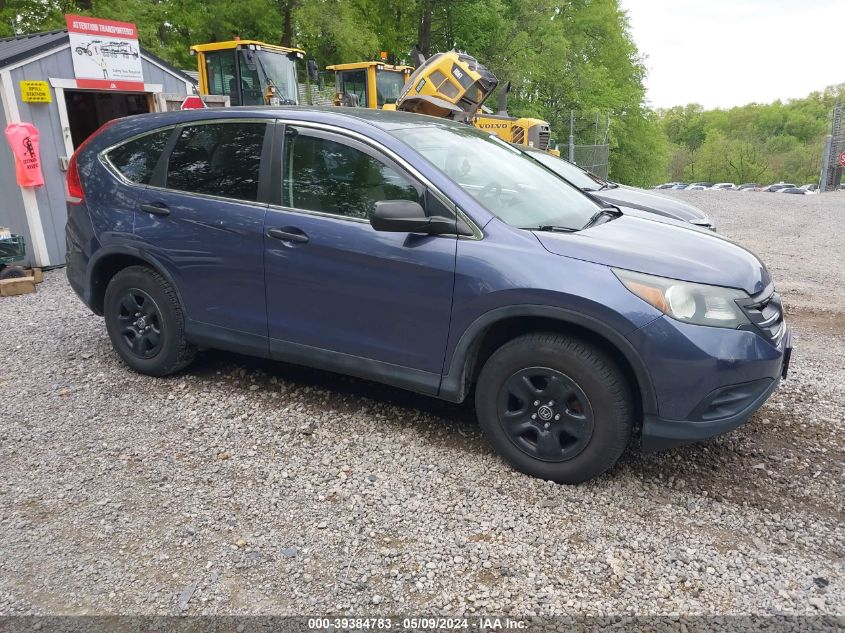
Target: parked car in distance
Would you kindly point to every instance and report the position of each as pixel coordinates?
(723, 186)
(705, 185)
(810, 188)
(779, 185)
(697, 188)
(620, 195)
(680, 185)
(749, 186)
(668, 185)
(428, 255)
(797, 190)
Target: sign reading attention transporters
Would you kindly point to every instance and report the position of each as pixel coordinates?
(35, 92)
(105, 53)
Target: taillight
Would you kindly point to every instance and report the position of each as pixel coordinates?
(74, 186)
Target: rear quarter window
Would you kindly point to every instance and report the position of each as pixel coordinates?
(135, 160)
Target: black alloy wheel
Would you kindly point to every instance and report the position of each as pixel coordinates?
(545, 414)
(140, 323)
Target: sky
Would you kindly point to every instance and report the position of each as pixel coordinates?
(724, 53)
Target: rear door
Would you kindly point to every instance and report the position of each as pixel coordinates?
(339, 293)
(202, 218)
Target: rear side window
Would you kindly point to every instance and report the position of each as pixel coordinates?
(137, 159)
(218, 159)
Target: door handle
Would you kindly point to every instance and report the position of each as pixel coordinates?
(286, 236)
(155, 209)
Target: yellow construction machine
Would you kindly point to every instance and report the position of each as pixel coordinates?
(372, 84)
(455, 85)
(248, 71)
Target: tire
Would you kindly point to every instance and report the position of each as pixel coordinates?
(579, 398)
(13, 272)
(145, 322)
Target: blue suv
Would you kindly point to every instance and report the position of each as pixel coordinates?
(423, 254)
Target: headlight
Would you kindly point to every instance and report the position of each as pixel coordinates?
(688, 302)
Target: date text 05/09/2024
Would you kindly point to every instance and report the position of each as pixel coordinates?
(417, 624)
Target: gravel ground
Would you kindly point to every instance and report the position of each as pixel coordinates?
(246, 487)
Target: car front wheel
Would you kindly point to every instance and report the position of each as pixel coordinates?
(555, 407)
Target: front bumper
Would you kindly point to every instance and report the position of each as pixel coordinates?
(660, 434)
(709, 385)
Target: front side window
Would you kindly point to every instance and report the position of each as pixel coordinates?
(137, 159)
(355, 83)
(330, 176)
(512, 186)
(219, 159)
(388, 86)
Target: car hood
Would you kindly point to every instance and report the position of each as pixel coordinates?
(647, 201)
(658, 248)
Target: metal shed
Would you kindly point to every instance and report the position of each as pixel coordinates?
(73, 113)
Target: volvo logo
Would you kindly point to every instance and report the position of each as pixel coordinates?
(545, 413)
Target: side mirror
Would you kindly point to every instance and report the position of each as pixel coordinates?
(405, 216)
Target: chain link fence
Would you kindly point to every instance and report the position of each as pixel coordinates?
(593, 158)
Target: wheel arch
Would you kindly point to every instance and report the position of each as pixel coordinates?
(106, 263)
(493, 329)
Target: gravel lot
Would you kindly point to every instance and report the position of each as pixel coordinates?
(243, 486)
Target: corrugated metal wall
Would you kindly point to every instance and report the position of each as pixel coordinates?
(11, 204)
(51, 197)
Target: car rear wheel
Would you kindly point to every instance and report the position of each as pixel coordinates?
(555, 407)
(145, 322)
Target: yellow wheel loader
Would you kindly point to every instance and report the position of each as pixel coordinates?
(369, 84)
(249, 72)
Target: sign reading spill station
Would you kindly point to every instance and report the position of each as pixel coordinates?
(105, 53)
(35, 92)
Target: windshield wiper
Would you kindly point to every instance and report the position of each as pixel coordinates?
(609, 213)
(609, 185)
(551, 228)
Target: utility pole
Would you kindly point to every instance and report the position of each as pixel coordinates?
(571, 136)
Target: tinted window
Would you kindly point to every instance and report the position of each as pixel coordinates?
(137, 159)
(333, 177)
(219, 159)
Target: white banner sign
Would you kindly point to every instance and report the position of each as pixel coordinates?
(105, 53)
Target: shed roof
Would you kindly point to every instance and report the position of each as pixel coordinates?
(17, 49)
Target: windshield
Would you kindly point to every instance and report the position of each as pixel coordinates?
(388, 86)
(509, 184)
(572, 173)
(280, 71)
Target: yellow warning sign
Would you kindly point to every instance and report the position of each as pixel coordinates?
(36, 92)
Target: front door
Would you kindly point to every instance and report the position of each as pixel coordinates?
(340, 294)
(202, 218)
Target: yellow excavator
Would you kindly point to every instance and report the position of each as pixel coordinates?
(249, 72)
(452, 85)
(373, 84)
(455, 85)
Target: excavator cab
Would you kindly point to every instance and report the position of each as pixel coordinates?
(248, 71)
(452, 85)
(368, 84)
